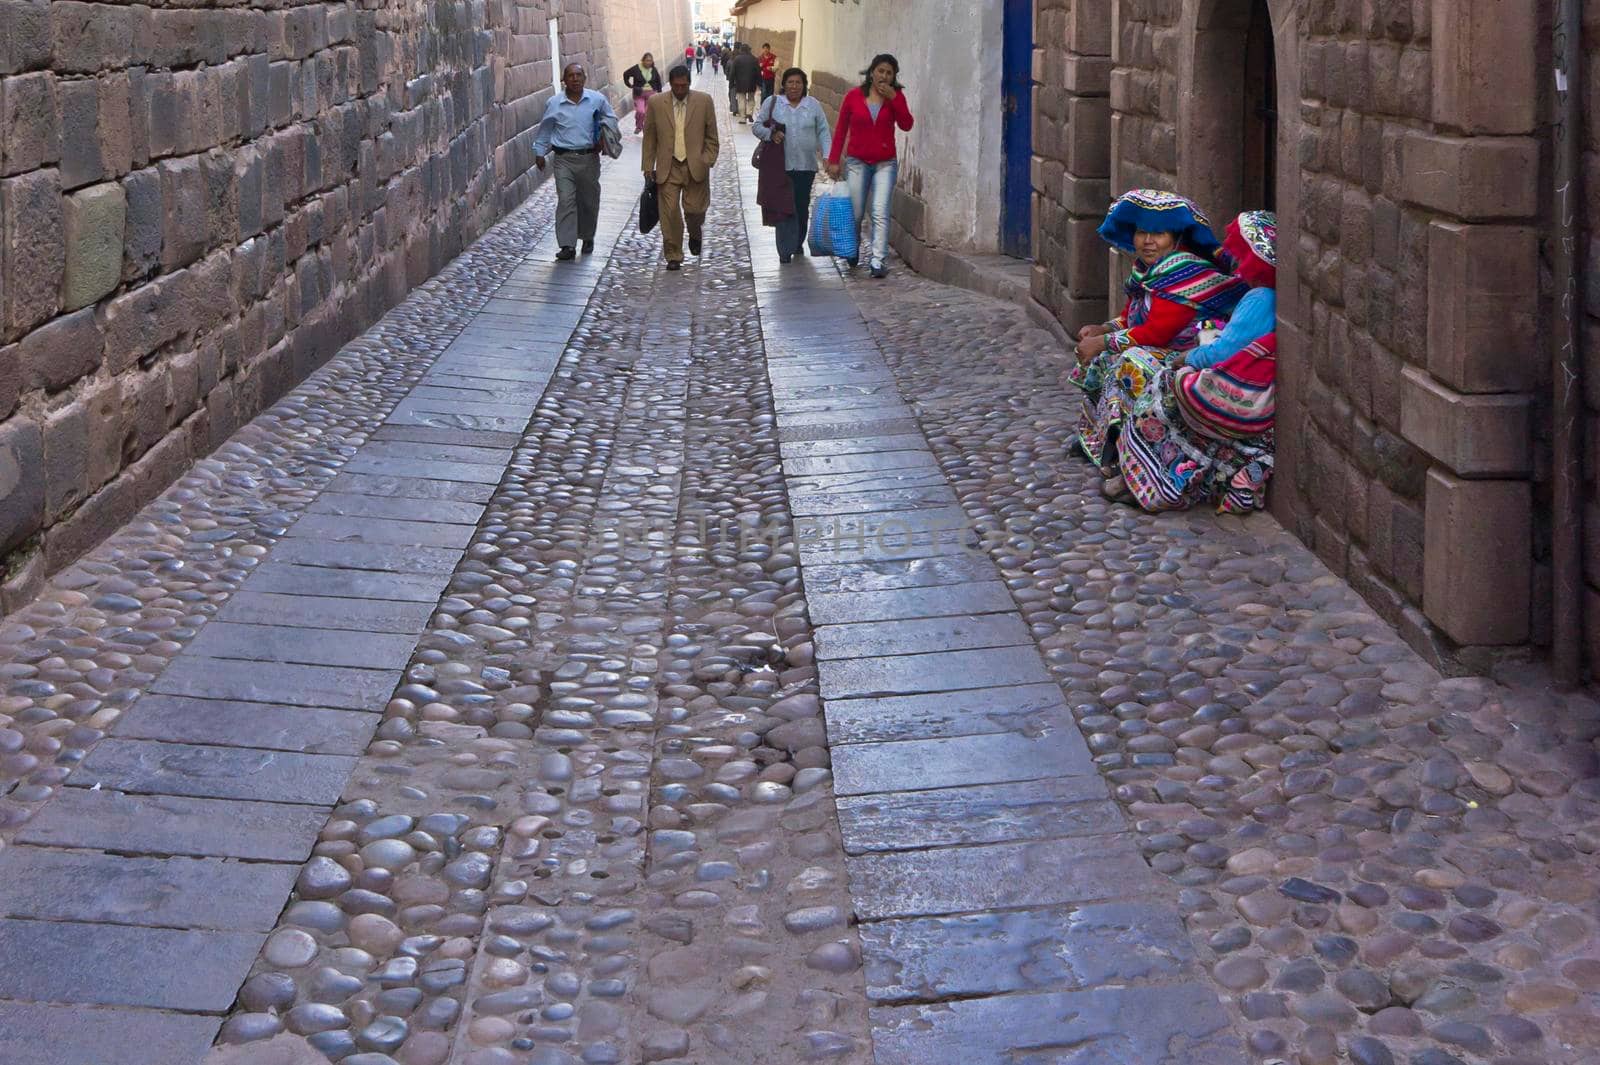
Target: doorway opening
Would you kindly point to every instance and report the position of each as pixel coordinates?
(1016, 208)
(1260, 111)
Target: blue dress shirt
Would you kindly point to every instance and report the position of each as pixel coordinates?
(1254, 317)
(571, 124)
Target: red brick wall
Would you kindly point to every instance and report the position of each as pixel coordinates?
(199, 205)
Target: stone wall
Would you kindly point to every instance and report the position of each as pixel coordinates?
(1411, 350)
(200, 203)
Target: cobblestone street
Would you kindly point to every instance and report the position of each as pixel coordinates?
(599, 664)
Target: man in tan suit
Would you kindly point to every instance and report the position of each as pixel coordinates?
(680, 148)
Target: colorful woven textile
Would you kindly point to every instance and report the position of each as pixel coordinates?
(1235, 399)
(1190, 281)
(1156, 211)
(1125, 378)
(1252, 246)
(1167, 466)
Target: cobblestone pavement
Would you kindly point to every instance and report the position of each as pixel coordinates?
(596, 664)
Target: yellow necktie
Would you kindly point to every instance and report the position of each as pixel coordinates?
(680, 150)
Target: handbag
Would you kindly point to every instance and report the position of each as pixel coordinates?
(649, 207)
(761, 145)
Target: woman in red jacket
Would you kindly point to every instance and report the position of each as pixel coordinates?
(864, 138)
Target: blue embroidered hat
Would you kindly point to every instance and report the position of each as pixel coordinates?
(1155, 211)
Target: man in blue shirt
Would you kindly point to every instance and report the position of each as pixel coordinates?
(570, 129)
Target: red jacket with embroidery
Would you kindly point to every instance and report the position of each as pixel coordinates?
(859, 137)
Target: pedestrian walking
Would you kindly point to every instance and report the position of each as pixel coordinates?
(864, 140)
(744, 75)
(700, 57)
(769, 72)
(680, 148)
(644, 78)
(570, 128)
(688, 56)
(795, 121)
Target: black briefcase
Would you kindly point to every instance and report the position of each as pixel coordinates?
(649, 207)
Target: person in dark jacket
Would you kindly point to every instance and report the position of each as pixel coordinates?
(644, 78)
(745, 74)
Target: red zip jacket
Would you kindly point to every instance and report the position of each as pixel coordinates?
(868, 141)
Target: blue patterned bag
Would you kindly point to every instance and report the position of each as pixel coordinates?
(833, 223)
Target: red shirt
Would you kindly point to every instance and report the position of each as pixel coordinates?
(769, 65)
(862, 137)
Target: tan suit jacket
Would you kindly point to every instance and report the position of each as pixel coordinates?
(699, 135)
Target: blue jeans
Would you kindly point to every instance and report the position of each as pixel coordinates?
(872, 186)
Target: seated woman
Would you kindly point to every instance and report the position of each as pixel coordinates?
(1174, 291)
(1204, 431)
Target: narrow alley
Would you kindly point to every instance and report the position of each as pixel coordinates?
(596, 664)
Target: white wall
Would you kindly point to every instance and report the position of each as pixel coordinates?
(950, 62)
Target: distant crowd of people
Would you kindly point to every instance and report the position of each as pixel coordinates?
(1178, 390)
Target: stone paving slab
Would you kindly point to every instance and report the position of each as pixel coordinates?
(1030, 709)
(380, 508)
(383, 558)
(839, 608)
(399, 532)
(902, 573)
(411, 487)
(336, 687)
(998, 876)
(170, 824)
(281, 593)
(436, 419)
(432, 469)
(308, 646)
(229, 723)
(1176, 1025)
(860, 445)
(956, 761)
(823, 545)
(1067, 948)
(80, 1035)
(59, 885)
(997, 813)
(859, 463)
(908, 500)
(919, 635)
(940, 671)
(214, 772)
(118, 965)
(826, 484)
(420, 435)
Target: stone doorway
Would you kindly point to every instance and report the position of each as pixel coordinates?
(1260, 118)
(1228, 136)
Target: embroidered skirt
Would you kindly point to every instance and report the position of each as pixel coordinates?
(1114, 386)
(1168, 466)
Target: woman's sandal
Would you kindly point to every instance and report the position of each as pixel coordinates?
(1116, 489)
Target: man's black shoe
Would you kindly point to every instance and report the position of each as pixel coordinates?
(672, 265)
(588, 246)
(566, 254)
(694, 245)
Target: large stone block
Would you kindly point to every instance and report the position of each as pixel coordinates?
(29, 136)
(1089, 27)
(183, 205)
(32, 251)
(95, 219)
(1089, 137)
(1478, 562)
(1472, 177)
(61, 351)
(1472, 435)
(21, 487)
(91, 37)
(1485, 67)
(24, 35)
(1483, 301)
(142, 248)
